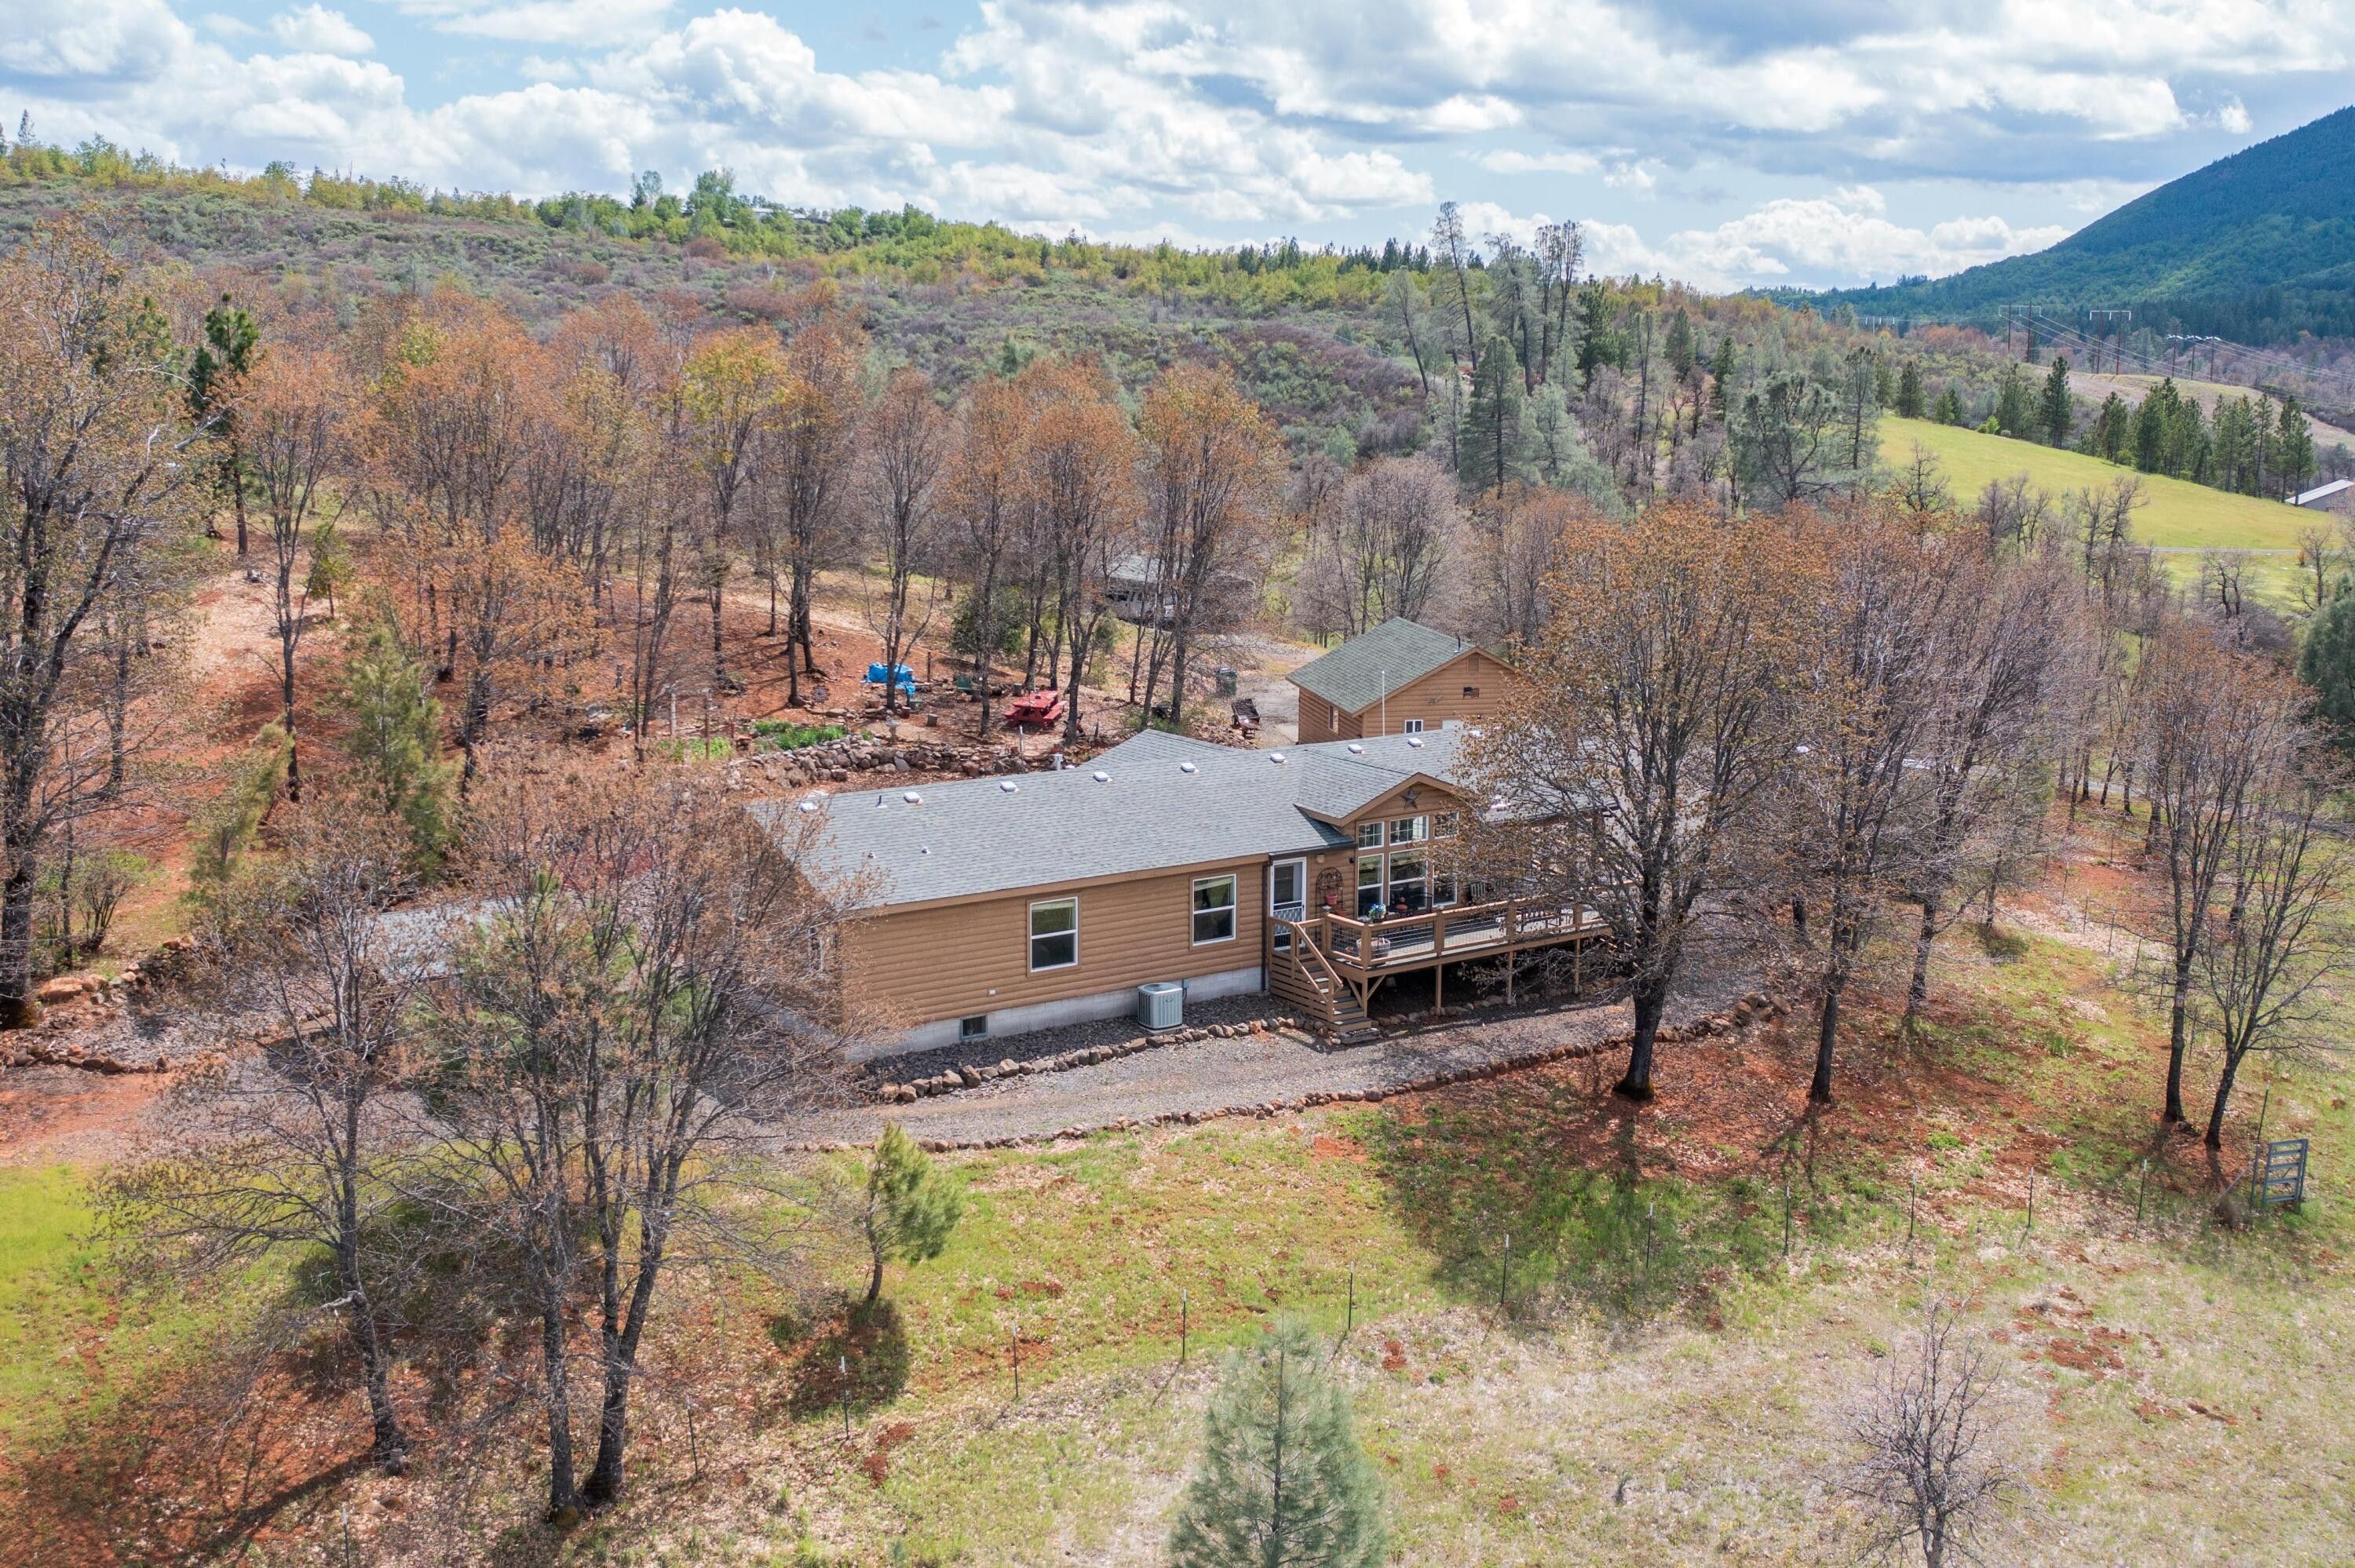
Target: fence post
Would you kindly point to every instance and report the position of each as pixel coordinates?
(1786, 1211)
(842, 1376)
(1504, 1274)
(2142, 1188)
(1351, 1321)
(1181, 1329)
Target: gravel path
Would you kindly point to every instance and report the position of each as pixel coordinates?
(1212, 1077)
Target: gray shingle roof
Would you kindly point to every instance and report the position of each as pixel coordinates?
(974, 836)
(1377, 663)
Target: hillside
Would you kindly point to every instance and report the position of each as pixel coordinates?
(2180, 515)
(2263, 241)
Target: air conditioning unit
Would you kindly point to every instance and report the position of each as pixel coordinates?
(1161, 1004)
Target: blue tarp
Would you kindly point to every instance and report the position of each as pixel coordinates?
(902, 676)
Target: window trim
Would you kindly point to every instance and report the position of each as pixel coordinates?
(1034, 933)
(966, 1030)
(1375, 828)
(1232, 908)
(1414, 726)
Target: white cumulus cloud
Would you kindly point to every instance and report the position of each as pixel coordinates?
(314, 29)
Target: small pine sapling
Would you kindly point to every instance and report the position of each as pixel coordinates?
(912, 1207)
(1283, 1478)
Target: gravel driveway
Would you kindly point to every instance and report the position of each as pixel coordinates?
(1212, 1077)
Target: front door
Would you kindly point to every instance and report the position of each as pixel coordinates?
(1287, 898)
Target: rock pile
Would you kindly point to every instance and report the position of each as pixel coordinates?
(834, 761)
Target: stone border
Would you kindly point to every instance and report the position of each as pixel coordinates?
(1755, 1008)
(972, 1077)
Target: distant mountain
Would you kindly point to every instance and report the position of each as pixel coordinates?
(2255, 246)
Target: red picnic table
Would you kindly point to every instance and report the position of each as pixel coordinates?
(1037, 709)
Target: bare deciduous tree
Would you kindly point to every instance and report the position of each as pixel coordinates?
(2265, 965)
(1650, 725)
(296, 406)
(908, 435)
(1931, 1470)
(634, 1001)
(300, 1150)
(1387, 546)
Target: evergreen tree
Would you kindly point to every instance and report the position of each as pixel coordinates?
(232, 343)
(2326, 663)
(1909, 401)
(2293, 449)
(1950, 406)
(1721, 372)
(1599, 340)
(2012, 415)
(1283, 1482)
(396, 740)
(2113, 430)
(1679, 345)
(2058, 412)
(912, 1207)
(226, 826)
(1491, 444)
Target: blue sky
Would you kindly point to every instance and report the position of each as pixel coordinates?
(1724, 141)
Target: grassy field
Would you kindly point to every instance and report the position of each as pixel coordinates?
(2180, 515)
(1647, 1375)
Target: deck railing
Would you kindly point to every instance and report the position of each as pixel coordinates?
(1367, 947)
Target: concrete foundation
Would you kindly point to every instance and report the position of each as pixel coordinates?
(1014, 1020)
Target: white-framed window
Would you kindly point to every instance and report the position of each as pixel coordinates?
(1409, 829)
(1370, 884)
(974, 1028)
(1370, 835)
(1407, 889)
(1054, 934)
(1214, 910)
(1415, 726)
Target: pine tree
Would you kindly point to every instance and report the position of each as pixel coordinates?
(2011, 408)
(1950, 406)
(1491, 443)
(1283, 1481)
(1909, 390)
(396, 739)
(2293, 447)
(2326, 663)
(1679, 343)
(231, 345)
(1721, 372)
(2058, 410)
(912, 1209)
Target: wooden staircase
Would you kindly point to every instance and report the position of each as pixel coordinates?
(1301, 976)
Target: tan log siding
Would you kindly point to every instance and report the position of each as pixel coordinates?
(1439, 696)
(1318, 721)
(930, 964)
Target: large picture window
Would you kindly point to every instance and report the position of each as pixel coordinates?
(1370, 884)
(1054, 934)
(1214, 910)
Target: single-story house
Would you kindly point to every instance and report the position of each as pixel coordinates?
(996, 906)
(1398, 678)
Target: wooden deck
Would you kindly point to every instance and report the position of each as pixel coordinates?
(1332, 964)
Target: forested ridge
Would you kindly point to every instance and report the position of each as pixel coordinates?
(2258, 247)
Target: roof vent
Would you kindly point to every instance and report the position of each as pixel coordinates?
(1188, 768)
(1103, 777)
(913, 798)
(1277, 757)
(1415, 741)
(925, 849)
(1357, 750)
(809, 806)
(1008, 786)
